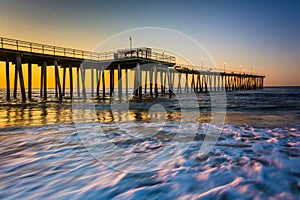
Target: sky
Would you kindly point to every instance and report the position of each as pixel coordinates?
(263, 35)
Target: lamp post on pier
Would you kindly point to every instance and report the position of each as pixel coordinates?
(130, 41)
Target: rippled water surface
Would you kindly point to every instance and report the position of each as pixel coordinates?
(43, 156)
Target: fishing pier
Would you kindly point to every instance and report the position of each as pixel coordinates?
(154, 73)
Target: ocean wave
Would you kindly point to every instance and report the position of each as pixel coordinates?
(246, 162)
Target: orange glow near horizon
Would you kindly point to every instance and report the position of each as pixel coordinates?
(266, 40)
(36, 78)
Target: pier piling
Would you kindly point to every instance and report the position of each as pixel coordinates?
(7, 81)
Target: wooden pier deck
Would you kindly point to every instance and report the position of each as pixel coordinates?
(156, 66)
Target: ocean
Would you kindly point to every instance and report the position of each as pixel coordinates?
(49, 150)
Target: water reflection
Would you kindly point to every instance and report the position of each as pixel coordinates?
(34, 114)
(39, 114)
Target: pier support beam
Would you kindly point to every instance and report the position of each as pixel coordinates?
(42, 81)
(103, 82)
(29, 81)
(151, 81)
(112, 82)
(215, 82)
(98, 78)
(186, 89)
(197, 83)
(165, 82)
(78, 81)
(71, 81)
(119, 81)
(200, 83)
(135, 89)
(64, 81)
(193, 83)
(145, 89)
(205, 83)
(16, 81)
(179, 83)
(155, 82)
(210, 82)
(161, 83)
(170, 82)
(19, 66)
(126, 81)
(7, 81)
(45, 80)
(139, 82)
(92, 82)
(173, 81)
(82, 70)
(221, 83)
(57, 81)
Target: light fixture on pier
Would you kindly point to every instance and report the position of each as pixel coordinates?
(130, 42)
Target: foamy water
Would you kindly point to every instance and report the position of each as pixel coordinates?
(256, 156)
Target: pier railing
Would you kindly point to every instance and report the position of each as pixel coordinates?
(32, 47)
(190, 68)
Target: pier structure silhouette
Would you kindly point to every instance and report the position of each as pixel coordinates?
(165, 75)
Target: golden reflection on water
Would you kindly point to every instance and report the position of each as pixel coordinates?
(39, 114)
(60, 113)
(34, 115)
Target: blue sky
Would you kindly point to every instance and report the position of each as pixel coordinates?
(261, 34)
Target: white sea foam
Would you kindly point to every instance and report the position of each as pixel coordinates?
(246, 162)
